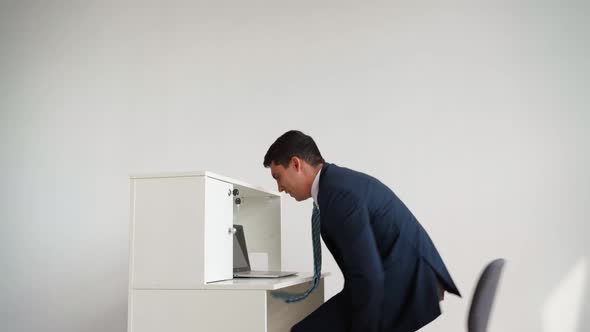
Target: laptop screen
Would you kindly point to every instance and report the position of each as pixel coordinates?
(241, 261)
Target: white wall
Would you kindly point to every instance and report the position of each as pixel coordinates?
(475, 114)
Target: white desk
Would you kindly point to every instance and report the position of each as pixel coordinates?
(263, 283)
(244, 305)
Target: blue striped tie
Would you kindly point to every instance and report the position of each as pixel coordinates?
(317, 261)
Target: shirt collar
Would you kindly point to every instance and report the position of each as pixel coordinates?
(315, 188)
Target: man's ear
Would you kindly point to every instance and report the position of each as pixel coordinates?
(296, 163)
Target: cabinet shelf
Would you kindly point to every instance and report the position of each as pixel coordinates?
(246, 189)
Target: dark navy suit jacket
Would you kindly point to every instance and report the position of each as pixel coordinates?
(389, 262)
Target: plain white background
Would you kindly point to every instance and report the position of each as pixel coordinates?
(474, 113)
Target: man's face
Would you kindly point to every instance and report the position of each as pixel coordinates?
(290, 179)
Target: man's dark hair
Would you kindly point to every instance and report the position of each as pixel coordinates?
(293, 144)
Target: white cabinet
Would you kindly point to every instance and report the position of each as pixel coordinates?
(180, 232)
(218, 237)
(181, 256)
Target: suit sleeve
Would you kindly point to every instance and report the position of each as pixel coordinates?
(349, 229)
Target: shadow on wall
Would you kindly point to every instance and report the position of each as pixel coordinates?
(565, 308)
(584, 320)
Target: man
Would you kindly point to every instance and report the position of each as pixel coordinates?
(394, 276)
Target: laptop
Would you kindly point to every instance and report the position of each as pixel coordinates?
(242, 262)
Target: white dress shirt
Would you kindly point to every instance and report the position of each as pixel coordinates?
(315, 188)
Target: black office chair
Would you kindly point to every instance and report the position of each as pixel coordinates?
(483, 297)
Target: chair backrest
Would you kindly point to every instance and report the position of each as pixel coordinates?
(483, 297)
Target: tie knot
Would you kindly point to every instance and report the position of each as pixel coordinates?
(316, 210)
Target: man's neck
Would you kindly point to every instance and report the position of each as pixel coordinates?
(317, 169)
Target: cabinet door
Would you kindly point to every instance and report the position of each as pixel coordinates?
(218, 230)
